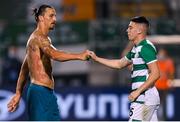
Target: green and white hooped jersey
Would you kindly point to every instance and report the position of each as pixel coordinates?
(140, 56)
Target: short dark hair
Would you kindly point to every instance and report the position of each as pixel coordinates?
(40, 11)
(140, 19)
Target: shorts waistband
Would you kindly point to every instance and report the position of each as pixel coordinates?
(40, 86)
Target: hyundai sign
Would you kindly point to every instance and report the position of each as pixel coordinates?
(81, 103)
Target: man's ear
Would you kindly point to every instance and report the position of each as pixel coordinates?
(139, 31)
(40, 18)
(141, 28)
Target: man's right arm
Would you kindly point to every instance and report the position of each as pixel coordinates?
(22, 76)
(13, 103)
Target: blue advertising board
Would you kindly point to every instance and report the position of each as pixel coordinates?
(85, 103)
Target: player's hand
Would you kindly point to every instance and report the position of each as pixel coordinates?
(13, 103)
(86, 55)
(93, 55)
(133, 95)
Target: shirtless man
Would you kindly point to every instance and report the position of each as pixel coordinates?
(42, 102)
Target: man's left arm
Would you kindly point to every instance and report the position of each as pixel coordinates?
(153, 77)
(59, 55)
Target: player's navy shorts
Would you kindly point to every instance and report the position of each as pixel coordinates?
(42, 104)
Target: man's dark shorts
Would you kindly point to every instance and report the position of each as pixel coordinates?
(42, 104)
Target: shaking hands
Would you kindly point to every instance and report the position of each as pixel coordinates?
(87, 55)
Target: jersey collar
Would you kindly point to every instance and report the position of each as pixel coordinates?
(141, 43)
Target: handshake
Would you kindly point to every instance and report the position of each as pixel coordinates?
(87, 55)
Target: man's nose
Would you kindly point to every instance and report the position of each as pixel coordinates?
(54, 19)
(127, 30)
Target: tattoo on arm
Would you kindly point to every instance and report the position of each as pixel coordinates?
(47, 47)
(32, 48)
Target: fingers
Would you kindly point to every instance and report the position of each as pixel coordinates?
(133, 95)
(92, 54)
(12, 105)
(131, 98)
(89, 54)
(13, 108)
(88, 57)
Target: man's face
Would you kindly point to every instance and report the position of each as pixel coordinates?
(133, 31)
(49, 18)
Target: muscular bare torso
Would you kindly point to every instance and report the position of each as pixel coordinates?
(39, 64)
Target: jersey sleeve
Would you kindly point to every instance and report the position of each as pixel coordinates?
(148, 53)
